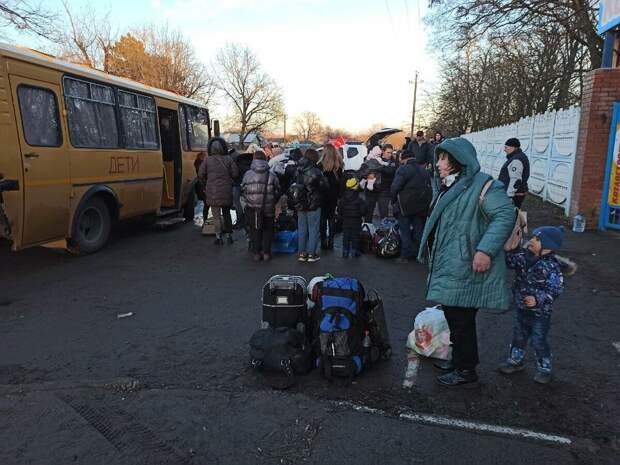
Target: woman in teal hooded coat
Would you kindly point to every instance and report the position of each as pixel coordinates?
(463, 245)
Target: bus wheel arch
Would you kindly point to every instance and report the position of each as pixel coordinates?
(93, 219)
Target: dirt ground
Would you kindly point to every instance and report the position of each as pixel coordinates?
(172, 384)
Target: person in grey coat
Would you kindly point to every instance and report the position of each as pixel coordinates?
(217, 173)
(260, 191)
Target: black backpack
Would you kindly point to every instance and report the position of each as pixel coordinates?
(297, 194)
(287, 221)
(416, 196)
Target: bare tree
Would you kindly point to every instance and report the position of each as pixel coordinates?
(505, 59)
(177, 67)
(575, 19)
(89, 37)
(333, 133)
(255, 97)
(155, 56)
(26, 16)
(163, 58)
(308, 125)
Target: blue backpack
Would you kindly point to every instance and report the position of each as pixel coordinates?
(338, 326)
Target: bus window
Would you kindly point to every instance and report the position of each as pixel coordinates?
(91, 114)
(40, 121)
(197, 120)
(138, 120)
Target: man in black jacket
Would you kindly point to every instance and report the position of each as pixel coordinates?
(306, 197)
(411, 192)
(406, 144)
(515, 172)
(421, 149)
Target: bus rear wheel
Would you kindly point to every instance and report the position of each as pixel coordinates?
(92, 227)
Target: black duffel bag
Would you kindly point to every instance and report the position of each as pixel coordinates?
(280, 350)
(376, 324)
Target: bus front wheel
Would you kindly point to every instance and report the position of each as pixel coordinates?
(92, 226)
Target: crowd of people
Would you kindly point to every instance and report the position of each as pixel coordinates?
(316, 189)
(451, 216)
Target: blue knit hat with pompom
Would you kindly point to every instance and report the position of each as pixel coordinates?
(550, 236)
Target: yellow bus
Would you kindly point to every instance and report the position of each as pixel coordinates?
(82, 149)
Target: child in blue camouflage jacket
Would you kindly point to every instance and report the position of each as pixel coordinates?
(538, 283)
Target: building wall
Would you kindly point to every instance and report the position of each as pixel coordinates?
(601, 90)
(550, 142)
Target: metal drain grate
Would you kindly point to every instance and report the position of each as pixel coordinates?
(126, 434)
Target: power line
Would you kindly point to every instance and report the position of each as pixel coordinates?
(419, 18)
(387, 6)
(408, 18)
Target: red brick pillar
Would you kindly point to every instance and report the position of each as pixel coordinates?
(601, 90)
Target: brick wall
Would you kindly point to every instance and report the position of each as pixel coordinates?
(601, 90)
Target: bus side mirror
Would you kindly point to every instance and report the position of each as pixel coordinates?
(216, 128)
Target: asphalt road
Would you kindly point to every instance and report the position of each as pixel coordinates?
(171, 384)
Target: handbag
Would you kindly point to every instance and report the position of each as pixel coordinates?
(519, 230)
(366, 236)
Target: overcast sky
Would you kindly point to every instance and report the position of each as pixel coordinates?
(350, 61)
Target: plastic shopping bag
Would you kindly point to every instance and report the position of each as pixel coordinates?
(284, 242)
(431, 336)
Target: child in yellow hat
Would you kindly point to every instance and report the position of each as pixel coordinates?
(351, 208)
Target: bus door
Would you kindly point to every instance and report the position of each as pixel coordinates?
(45, 160)
(171, 153)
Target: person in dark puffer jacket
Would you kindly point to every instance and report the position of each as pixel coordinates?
(243, 162)
(352, 208)
(217, 173)
(306, 195)
(538, 283)
(260, 191)
(411, 217)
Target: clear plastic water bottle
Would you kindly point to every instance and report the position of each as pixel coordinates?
(579, 223)
(367, 345)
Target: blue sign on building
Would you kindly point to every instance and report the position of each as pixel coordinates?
(608, 15)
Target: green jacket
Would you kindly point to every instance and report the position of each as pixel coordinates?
(460, 229)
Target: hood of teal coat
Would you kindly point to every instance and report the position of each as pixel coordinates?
(464, 152)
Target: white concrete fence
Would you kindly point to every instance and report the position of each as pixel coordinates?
(550, 142)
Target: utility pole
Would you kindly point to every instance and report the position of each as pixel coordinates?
(415, 93)
(284, 117)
